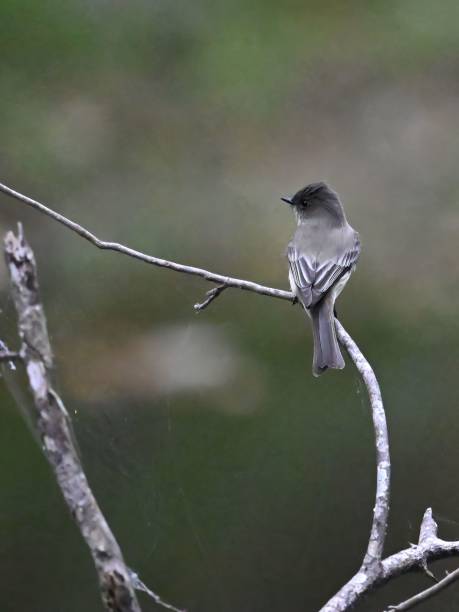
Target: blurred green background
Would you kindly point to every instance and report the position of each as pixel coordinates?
(232, 478)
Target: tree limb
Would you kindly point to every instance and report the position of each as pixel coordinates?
(54, 429)
(375, 548)
(227, 281)
(371, 568)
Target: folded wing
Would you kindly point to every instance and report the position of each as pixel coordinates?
(315, 277)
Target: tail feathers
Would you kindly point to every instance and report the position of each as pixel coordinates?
(326, 350)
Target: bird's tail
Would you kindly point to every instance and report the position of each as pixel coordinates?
(326, 350)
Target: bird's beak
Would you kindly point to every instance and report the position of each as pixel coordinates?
(287, 200)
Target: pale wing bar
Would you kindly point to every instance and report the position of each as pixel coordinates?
(313, 279)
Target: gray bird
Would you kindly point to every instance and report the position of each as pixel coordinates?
(322, 255)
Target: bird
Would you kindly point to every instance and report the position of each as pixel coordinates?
(322, 255)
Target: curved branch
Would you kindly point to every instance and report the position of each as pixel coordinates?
(371, 569)
(381, 509)
(375, 548)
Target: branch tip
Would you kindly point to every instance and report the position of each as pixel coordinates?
(212, 294)
(429, 528)
(141, 586)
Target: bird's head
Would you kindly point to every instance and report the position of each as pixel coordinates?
(317, 200)
(314, 193)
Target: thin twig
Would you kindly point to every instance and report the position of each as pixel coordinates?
(54, 429)
(212, 294)
(141, 586)
(427, 593)
(236, 283)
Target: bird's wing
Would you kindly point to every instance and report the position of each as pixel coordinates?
(315, 277)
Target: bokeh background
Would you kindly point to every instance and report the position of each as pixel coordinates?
(232, 478)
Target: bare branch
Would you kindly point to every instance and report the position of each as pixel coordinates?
(227, 281)
(429, 548)
(212, 294)
(55, 433)
(371, 568)
(427, 593)
(381, 509)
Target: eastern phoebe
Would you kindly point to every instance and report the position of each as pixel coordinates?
(322, 255)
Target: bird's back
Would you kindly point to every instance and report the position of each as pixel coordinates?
(323, 242)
